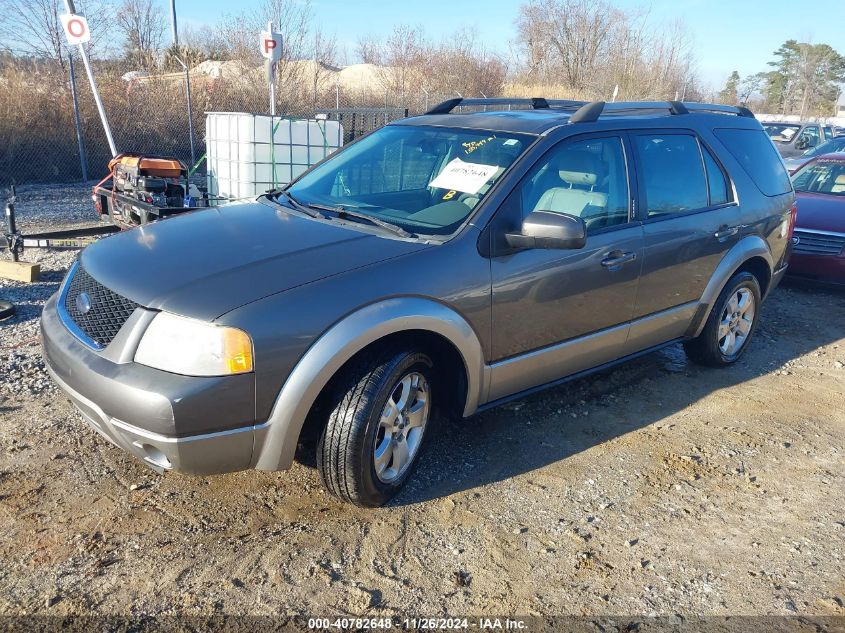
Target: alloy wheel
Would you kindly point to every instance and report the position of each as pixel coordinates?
(401, 426)
(736, 321)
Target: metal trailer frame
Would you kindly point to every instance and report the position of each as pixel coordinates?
(13, 240)
(111, 203)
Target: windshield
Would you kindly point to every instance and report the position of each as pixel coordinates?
(822, 176)
(426, 180)
(781, 131)
(834, 145)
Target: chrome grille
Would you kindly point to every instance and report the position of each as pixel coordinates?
(815, 243)
(107, 311)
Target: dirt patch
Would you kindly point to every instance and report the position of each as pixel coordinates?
(656, 488)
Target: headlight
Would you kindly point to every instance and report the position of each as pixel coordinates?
(194, 348)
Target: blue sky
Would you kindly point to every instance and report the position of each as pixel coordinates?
(728, 34)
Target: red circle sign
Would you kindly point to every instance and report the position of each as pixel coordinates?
(76, 27)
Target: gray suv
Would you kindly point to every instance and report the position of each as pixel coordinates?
(435, 268)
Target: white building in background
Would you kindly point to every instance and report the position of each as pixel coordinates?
(840, 106)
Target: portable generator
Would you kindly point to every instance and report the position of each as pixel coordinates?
(157, 180)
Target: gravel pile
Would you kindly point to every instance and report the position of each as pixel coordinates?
(23, 372)
(21, 366)
(38, 208)
(52, 207)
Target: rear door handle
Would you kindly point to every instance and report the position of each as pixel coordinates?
(616, 259)
(725, 231)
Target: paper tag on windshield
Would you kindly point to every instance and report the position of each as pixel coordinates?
(463, 177)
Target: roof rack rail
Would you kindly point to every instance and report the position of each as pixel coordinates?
(589, 111)
(720, 108)
(537, 103)
(592, 111)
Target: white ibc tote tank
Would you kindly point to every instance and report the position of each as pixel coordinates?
(248, 154)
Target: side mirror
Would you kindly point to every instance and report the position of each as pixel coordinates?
(546, 229)
(802, 143)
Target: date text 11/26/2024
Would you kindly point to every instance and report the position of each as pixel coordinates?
(418, 624)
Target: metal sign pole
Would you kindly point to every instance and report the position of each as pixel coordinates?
(272, 89)
(271, 49)
(83, 161)
(87, 63)
(272, 76)
(175, 33)
(173, 30)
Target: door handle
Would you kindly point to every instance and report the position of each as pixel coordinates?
(616, 259)
(725, 231)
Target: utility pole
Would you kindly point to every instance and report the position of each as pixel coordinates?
(83, 52)
(175, 34)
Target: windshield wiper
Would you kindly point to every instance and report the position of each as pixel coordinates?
(343, 212)
(296, 204)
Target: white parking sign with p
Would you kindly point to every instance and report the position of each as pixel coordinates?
(76, 28)
(271, 45)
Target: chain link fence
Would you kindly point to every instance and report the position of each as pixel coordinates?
(148, 114)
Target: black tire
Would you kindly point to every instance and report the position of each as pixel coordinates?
(705, 349)
(6, 310)
(345, 451)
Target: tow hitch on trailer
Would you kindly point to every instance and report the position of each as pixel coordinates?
(15, 242)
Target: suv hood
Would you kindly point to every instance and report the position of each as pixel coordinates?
(206, 263)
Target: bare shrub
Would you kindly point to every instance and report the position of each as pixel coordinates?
(589, 47)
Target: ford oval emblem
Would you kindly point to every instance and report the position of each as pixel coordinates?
(83, 303)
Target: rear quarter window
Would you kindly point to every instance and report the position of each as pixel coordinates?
(755, 152)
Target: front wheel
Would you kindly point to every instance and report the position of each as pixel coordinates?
(730, 325)
(374, 434)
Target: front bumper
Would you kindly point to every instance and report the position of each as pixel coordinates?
(195, 425)
(824, 268)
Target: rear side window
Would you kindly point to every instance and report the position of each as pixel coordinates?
(673, 173)
(755, 152)
(716, 183)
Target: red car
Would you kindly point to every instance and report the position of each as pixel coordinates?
(818, 243)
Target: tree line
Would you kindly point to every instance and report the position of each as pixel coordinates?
(803, 79)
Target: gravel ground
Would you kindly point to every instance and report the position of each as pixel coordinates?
(656, 488)
(52, 207)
